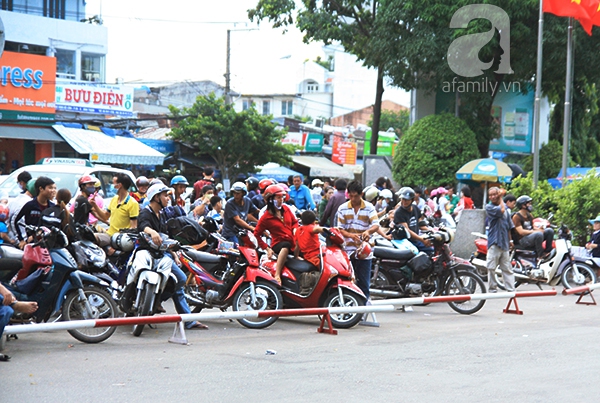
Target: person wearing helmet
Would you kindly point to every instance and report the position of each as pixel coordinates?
(16, 204)
(383, 203)
(238, 211)
(179, 184)
(151, 222)
(357, 221)
(252, 184)
(82, 208)
(301, 195)
(499, 239)
(122, 211)
(281, 223)
(142, 183)
(408, 215)
(525, 235)
(45, 189)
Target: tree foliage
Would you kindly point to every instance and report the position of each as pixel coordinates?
(238, 141)
(432, 150)
(399, 121)
(572, 205)
(550, 160)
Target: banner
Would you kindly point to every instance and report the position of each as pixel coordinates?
(513, 114)
(343, 152)
(89, 97)
(27, 86)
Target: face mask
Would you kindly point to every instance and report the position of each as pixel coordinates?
(530, 208)
(21, 187)
(90, 189)
(277, 203)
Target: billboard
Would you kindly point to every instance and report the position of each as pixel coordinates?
(27, 86)
(343, 152)
(89, 97)
(513, 114)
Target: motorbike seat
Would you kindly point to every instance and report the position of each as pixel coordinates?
(10, 252)
(383, 242)
(300, 266)
(201, 257)
(392, 253)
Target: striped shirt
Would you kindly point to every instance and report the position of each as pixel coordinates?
(356, 223)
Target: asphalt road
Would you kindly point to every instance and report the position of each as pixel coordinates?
(433, 354)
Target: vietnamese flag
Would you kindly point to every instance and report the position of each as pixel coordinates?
(571, 8)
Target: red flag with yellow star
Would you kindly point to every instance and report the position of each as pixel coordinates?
(578, 9)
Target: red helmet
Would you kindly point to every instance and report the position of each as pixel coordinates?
(363, 251)
(3, 212)
(275, 190)
(263, 184)
(87, 179)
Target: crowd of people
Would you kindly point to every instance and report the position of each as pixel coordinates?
(271, 210)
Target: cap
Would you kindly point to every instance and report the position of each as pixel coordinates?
(316, 182)
(219, 186)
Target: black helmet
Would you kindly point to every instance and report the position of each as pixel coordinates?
(252, 183)
(399, 232)
(523, 200)
(406, 193)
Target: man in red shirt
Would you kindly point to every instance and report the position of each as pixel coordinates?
(207, 180)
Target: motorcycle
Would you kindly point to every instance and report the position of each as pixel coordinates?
(147, 279)
(244, 285)
(331, 285)
(560, 267)
(49, 276)
(401, 274)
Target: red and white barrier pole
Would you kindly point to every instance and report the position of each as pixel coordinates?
(584, 290)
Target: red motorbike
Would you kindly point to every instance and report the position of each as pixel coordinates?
(331, 285)
(244, 285)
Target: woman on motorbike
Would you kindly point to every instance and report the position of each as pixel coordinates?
(281, 223)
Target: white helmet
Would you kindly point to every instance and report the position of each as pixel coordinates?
(371, 193)
(156, 189)
(122, 241)
(386, 194)
(239, 187)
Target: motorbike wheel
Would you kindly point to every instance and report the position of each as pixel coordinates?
(344, 320)
(465, 283)
(103, 307)
(381, 280)
(147, 298)
(268, 297)
(516, 266)
(571, 280)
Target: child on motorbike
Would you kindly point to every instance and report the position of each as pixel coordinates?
(307, 239)
(594, 243)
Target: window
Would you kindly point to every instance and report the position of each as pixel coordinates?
(91, 67)
(65, 64)
(54, 8)
(246, 104)
(287, 107)
(266, 108)
(312, 86)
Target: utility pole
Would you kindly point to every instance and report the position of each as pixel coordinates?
(227, 70)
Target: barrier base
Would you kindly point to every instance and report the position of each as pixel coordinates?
(365, 320)
(579, 301)
(516, 311)
(179, 335)
(329, 329)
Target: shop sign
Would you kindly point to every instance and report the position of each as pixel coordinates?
(89, 97)
(343, 152)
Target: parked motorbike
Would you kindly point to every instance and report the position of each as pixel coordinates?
(400, 273)
(49, 276)
(331, 285)
(146, 281)
(245, 286)
(560, 267)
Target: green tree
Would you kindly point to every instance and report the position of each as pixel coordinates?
(432, 150)
(550, 160)
(238, 141)
(352, 23)
(399, 121)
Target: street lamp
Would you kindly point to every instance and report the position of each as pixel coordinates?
(228, 62)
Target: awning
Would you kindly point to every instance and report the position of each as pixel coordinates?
(322, 167)
(275, 171)
(106, 149)
(29, 133)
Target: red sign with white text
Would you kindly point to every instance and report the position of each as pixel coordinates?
(343, 152)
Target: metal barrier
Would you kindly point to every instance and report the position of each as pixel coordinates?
(584, 290)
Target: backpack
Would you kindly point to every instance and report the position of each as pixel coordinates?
(186, 230)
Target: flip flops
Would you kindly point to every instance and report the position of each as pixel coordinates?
(4, 357)
(198, 325)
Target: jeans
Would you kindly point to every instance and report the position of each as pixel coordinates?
(181, 304)
(5, 313)
(362, 270)
(534, 241)
(422, 248)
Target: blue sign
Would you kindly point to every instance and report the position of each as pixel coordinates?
(163, 146)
